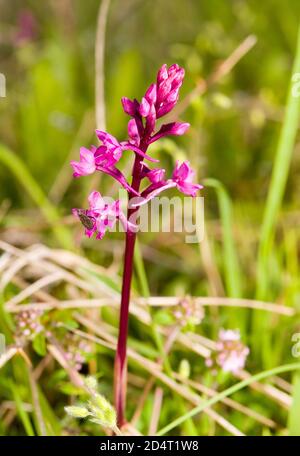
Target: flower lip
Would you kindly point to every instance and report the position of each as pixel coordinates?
(86, 164)
(101, 216)
(156, 175)
(183, 175)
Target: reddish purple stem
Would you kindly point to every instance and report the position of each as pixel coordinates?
(120, 374)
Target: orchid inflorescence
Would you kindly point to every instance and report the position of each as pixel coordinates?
(159, 99)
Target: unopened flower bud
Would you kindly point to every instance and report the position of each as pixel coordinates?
(77, 411)
(184, 368)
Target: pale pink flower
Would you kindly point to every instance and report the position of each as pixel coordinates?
(183, 176)
(28, 325)
(86, 165)
(99, 217)
(231, 353)
(110, 152)
(188, 312)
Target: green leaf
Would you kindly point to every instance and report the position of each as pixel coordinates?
(231, 261)
(282, 163)
(164, 318)
(22, 413)
(293, 421)
(71, 390)
(39, 344)
(72, 324)
(228, 392)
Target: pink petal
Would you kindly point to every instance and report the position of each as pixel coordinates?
(96, 201)
(156, 175)
(150, 94)
(150, 121)
(133, 132)
(165, 109)
(163, 90)
(162, 74)
(82, 169)
(129, 146)
(181, 172)
(144, 107)
(129, 106)
(189, 189)
(173, 69)
(86, 155)
(106, 138)
(174, 128)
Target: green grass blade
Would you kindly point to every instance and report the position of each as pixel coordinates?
(140, 270)
(293, 422)
(278, 179)
(231, 390)
(24, 417)
(52, 422)
(231, 264)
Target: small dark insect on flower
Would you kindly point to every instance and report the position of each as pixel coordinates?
(87, 221)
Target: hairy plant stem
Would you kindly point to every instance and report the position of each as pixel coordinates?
(120, 370)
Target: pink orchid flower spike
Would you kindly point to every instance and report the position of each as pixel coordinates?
(101, 216)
